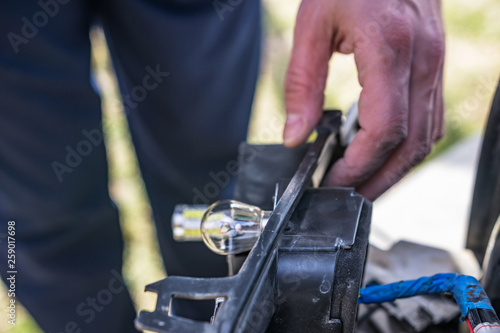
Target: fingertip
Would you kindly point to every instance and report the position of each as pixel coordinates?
(369, 194)
(295, 130)
(340, 175)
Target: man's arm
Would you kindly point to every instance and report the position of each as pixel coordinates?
(398, 47)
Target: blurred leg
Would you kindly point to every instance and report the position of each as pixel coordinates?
(187, 73)
(53, 173)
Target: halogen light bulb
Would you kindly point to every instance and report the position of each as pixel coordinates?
(230, 227)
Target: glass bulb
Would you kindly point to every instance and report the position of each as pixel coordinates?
(230, 227)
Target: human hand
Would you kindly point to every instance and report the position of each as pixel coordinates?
(398, 48)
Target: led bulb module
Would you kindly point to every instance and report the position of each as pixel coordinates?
(231, 227)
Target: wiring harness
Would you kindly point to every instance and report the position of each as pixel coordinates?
(473, 302)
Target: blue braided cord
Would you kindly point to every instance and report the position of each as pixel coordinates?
(466, 290)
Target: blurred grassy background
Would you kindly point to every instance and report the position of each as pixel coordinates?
(471, 72)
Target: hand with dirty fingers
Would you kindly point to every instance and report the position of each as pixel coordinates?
(398, 48)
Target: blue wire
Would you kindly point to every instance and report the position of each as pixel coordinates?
(466, 290)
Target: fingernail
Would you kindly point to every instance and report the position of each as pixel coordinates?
(294, 126)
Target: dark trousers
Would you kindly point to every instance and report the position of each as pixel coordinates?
(187, 71)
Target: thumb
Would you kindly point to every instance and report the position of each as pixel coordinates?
(307, 71)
